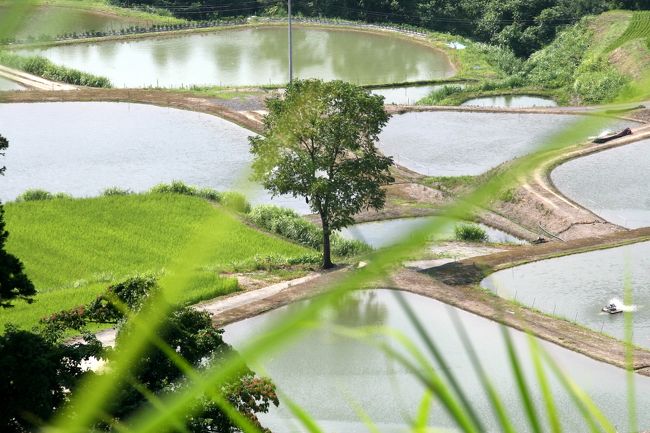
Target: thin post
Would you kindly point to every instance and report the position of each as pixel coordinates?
(290, 43)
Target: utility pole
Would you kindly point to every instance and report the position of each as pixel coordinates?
(290, 44)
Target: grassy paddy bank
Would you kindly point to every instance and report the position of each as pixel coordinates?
(74, 248)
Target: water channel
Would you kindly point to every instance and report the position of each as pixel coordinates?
(328, 374)
(612, 183)
(577, 287)
(255, 56)
(81, 148)
(9, 85)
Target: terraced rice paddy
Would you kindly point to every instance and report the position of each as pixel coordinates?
(328, 374)
(255, 56)
(73, 249)
(611, 183)
(577, 287)
(83, 148)
(511, 101)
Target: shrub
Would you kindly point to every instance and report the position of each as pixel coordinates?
(235, 201)
(130, 293)
(290, 225)
(34, 195)
(115, 190)
(470, 233)
(180, 187)
(41, 194)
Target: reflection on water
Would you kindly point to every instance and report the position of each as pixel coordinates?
(577, 287)
(407, 95)
(255, 56)
(380, 234)
(56, 21)
(9, 85)
(82, 148)
(327, 374)
(456, 144)
(511, 101)
(613, 183)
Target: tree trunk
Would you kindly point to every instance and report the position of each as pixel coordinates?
(327, 255)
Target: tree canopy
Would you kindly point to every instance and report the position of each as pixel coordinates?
(319, 143)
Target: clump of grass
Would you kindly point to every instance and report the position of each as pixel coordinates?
(235, 201)
(179, 187)
(470, 233)
(290, 225)
(40, 195)
(44, 68)
(115, 190)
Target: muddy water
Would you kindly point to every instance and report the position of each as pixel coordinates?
(55, 21)
(455, 143)
(9, 85)
(613, 183)
(83, 148)
(328, 374)
(511, 101)
(577, 287)
(251, 56)
(380, 234)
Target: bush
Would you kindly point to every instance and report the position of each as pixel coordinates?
(235, 201)
(114, 190)
(290, 225)
(180, 187)
(130, 293)
(470, 233)
(40, 195)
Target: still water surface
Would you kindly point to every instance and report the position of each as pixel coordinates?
(249, 56)
(511, 101)
(55, 21)
(460, 143)
(9, 85)
(328, 374)
(406, 95)
(379, 234)
(577, 287)
(613, 183)
(81, 148)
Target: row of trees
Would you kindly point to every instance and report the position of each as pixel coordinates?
(521, 25)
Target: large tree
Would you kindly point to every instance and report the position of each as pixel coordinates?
(13, 281)
(319, 143)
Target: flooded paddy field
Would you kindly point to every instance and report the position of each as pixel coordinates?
(460, 143)
(511, 101)
(57, 21)
(81, 148)
(379, 234)
(576, 288)
(254, 56)
(9, 85)
(328, 374)
(613, 183)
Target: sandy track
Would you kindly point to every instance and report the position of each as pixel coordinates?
(33, 81)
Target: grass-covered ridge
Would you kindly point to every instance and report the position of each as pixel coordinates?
(74, 248)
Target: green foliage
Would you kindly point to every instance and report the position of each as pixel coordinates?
(235, 201)
(114, 190)
(319, 142)
(44, 68)
(289, 224)
(192, 336)
(37, 374)
(179, 187)
(40, 195)
(72, 249)
(128, 294)
(470, 233)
